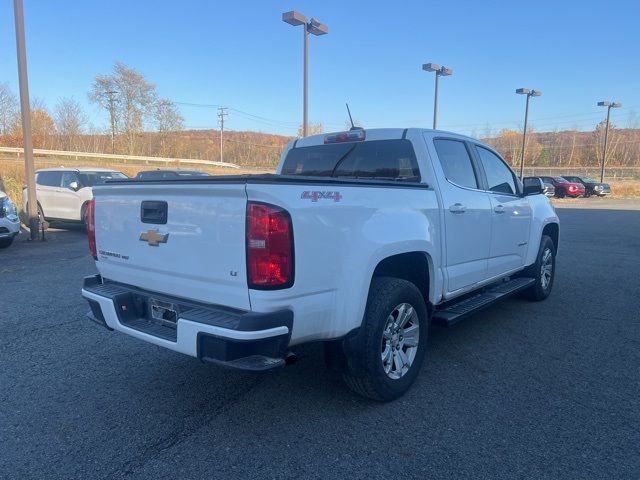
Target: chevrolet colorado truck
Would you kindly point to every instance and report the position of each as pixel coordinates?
(359, 241)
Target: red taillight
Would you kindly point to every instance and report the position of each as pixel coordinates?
(572, 188)
(269, 247)
(90, 220)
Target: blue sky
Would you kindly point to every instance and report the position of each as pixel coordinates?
(241, 55)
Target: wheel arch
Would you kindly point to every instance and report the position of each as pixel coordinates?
(414, 266)
(552, 230)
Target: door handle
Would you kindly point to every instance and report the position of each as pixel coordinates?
(499, 209)
(457, 208)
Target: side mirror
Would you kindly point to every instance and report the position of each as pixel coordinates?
(75, 186)
(532, 186)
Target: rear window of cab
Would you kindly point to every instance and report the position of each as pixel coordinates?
(374, 159)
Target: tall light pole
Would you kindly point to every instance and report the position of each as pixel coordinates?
(310, 26)
(440, 72)
(32, 203)
(529, 93)
(609, 106)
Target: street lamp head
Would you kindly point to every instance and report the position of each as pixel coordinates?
(604, 104)
(294, 18)
(535, 93)
(616, 105)
(523, 91)
(317, 28)
(431, 67)
(445, 71)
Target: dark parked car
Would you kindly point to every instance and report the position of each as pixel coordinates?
(169, 174)
(565, 188)
(549, 189)
(592, 186)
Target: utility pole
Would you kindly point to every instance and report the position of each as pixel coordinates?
(609, 106)
(221, 114)
(112, 113)
(29, 168)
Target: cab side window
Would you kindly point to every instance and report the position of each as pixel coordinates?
(456, 162)
(499, 177)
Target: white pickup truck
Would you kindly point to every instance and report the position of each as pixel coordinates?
(360, 240)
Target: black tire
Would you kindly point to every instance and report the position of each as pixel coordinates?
(560, 193)
(373, 382)
(5, 242)
(540, 290)
(587, 193)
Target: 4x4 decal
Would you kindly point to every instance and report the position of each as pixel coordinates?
(314, 196)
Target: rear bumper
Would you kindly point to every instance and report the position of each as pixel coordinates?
(238, 339)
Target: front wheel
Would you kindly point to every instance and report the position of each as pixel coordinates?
(543, 271)
(395, 327)
(5, 242)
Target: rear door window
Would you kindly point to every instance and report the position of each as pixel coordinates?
(456, 162)
(49, 179)
(499, 177)
(375, 159)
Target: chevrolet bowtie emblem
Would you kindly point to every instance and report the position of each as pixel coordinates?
(154, 238)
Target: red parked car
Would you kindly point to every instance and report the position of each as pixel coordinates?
(565, 188)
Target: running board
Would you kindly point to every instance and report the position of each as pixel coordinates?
(455, 312)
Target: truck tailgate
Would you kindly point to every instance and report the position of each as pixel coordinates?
(202, 256)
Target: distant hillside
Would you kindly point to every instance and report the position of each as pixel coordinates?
(567, 148)
(253, 149)
(570, 148)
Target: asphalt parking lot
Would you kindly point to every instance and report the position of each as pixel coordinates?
(523, 390)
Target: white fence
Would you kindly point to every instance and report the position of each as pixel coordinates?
(124, 158)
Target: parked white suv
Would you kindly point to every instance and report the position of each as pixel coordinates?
(63, 193)
(9, 221)
(359, 240)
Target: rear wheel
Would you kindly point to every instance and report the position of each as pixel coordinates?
(560, 193)
(543, 271)
(395, 327)
(5, 242)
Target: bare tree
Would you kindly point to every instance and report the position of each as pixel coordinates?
(70, 121)
(8, 108)
(137, 97)
(103, 92)
(128, 97)
(167, 119)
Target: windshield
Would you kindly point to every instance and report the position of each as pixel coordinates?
(375, 159)
(560, 179)
(89, 179)
(589, 179)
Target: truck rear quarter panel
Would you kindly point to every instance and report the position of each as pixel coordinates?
(339, 239)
